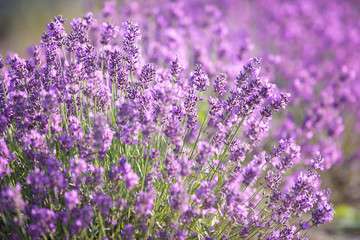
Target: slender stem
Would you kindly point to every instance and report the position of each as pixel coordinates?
(63, 110)
(307, 231)
(200, 132)
(49, 130)
(4, 90)
(132, 79)
(146, 164)
(228, 145)
(63, 50)
(81, 109)
(75, 102)
(212, 135)
(187, 131)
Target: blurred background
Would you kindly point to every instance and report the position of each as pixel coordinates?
(22, 23)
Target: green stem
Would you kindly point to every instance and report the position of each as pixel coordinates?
(146, 165)
(4, 90)
(75, 102)
(102, 230)
(200, 132)
(63, 50)
(81, 110)
(212, 135)
(132, 79)
(63, 110)
(228, 145)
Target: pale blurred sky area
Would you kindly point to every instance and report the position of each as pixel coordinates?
(22, 22)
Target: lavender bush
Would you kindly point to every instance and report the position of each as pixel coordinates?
(307, 48)
(105, 134)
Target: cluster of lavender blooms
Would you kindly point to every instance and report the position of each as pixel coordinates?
(307, 47)
(103, 137)
(312, 55)
(313, 42)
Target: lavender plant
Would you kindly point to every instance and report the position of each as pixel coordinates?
(307, 48)
(98, 141)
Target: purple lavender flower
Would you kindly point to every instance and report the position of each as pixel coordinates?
(181, 235)
(172, 166)
(131, 37)
(82, 218)
(288, 151)
(220, 83)
(324, 211)
(35, 53)
(100, 136)
(147, 75)
(174, 131)
(11, 199)
(144, 203)
(220, 136)
(77, 168)
(277, 103)
(56, 30)
(103, 201)
(255, 131)
(109, 31)
(200, 78)
(318, 162)
(179, 197)
(238, 151)
(50, 101)
(71, 199)
(81, 27)
(250, 175)
(127, 232)
(216, 107)
(42, 221)
(175, 68)
(205, 153)
(75, 129)
(129, 177)
(304, 225)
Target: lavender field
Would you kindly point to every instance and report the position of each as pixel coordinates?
(169, 119)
